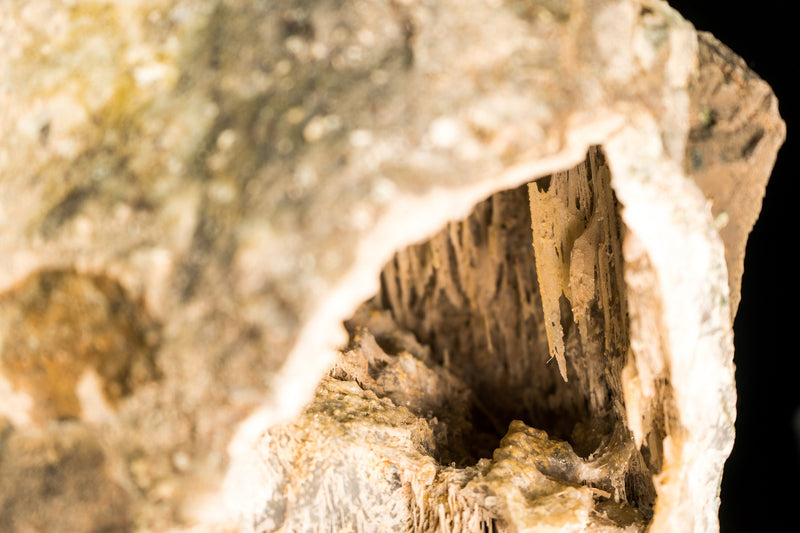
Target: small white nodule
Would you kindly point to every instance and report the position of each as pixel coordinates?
(16, 405)
(94, 406)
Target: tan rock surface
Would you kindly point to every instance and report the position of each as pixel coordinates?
(194, 195)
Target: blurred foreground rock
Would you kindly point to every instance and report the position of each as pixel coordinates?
(195, 196)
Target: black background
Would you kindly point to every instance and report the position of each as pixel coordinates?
(760, 485)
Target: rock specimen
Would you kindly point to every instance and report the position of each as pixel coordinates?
(531, 216)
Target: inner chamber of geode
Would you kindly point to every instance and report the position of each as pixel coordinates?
(481, 389)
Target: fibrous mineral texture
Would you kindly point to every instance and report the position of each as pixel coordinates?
(542, 206)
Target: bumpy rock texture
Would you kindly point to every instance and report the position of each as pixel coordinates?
(196, 195)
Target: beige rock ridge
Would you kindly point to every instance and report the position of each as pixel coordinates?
(196, 195)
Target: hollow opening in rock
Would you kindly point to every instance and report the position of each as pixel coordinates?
(481, 387)
(519, 313)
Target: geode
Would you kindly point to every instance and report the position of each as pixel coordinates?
(370, 265)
